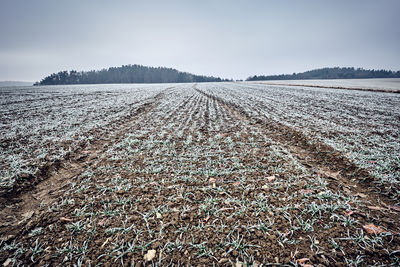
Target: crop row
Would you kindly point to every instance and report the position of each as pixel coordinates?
(43, 124)
(365, 126)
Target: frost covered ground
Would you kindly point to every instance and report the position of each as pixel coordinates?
(387, 84)
(199, 174)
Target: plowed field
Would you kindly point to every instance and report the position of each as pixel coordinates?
(199, 174)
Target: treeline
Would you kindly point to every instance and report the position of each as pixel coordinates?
(330, 73)
(125, 74)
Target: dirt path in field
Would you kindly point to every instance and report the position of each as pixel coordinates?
(19, 207)
(316, 156)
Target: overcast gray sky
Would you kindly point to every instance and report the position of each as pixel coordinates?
(227, 38)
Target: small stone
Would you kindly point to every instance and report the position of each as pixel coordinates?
(7, 262)
(270, 213)
(24, 175)
(362, 195)
(158, 215)
(223, 260)
(28, 215)
(47, 258)
(302, 183)
(271, 178)
(150, 255)
(7, 238)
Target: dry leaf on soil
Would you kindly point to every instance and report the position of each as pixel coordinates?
(63, 219)
(306, 191)
(372, 229)
(303, 260)
(396, 208)
(102, 222)
(105, 242)
(375, 208)
(333, 174)
(330, 174)
(361, 195)
(348, 213)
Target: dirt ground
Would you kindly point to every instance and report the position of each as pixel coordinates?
(188, 179)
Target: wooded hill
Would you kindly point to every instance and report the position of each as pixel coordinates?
(125, 74)
(330, 73)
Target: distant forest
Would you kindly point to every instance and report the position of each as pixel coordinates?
(330, 73)
(125, 74)
(144, 74)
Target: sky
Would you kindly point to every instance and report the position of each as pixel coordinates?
(226, 38)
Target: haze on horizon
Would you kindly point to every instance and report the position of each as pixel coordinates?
(229, 39)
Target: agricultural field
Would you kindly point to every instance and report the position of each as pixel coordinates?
(223, 174)
(375, 84)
